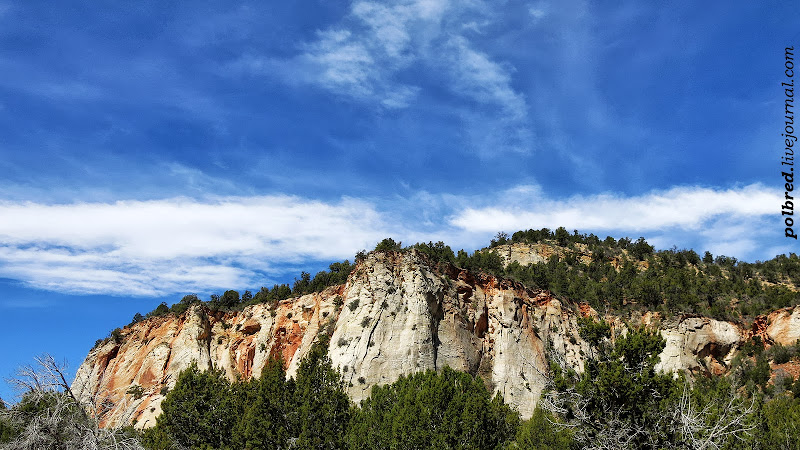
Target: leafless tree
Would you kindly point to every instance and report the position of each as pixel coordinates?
(49, 415)
(607, 432)
(711, 426)
(708, 427)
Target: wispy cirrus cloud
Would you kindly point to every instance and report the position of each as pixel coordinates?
(476, 76)
(394, 55)
(538, 11)
(358, 59)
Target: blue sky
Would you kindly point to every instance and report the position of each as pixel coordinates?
(150, 151)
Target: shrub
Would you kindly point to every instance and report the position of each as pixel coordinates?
(432, 410)
(116, 335)
(389, 245)
(780, 354)
(543, 430)
(136, 391)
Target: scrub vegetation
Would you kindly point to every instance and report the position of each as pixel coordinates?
(619, 401)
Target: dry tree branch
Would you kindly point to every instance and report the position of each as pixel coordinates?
(711, 428)
(55, 417)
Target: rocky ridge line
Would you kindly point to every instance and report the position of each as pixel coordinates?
(395, 315)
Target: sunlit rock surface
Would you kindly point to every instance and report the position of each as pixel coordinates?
(397, 314)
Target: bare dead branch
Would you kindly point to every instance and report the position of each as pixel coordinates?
(57, 418)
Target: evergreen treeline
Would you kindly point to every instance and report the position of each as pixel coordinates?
(231, 300)
(614, 275)
(448, 410)
(619, 401)
(623, 275)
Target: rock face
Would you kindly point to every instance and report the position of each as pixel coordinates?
(395, 315)
(153, 352)
(699, 345)
(784, 326)
(401, 317)
(524, 254)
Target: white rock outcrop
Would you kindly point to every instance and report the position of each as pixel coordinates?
(396, 315)
(699, 345)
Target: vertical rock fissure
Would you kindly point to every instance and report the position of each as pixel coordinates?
(206, 337)
(369, 337)
(435, 310)
(166, 362)
(108, 362)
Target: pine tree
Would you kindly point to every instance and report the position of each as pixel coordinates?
(264, 424)
(321, 408)
(201, 410)
(444, 410)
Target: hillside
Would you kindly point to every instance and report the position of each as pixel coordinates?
(624, 275)
(504, 314)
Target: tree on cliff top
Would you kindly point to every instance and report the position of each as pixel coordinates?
(388, 245)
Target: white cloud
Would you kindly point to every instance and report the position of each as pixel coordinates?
(175, 245)
(538, 11)
(478, 77)
(181, 245)
(685, 207)
(383, 54)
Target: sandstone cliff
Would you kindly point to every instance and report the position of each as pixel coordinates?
(395, 315)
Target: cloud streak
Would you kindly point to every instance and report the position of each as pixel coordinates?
(175, 245)
(180, 245)
(682, 207)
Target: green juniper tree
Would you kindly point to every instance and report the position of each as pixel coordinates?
(265, 421)
(321, 409)
(429, 410)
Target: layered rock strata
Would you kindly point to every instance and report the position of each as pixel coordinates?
(395, 315)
